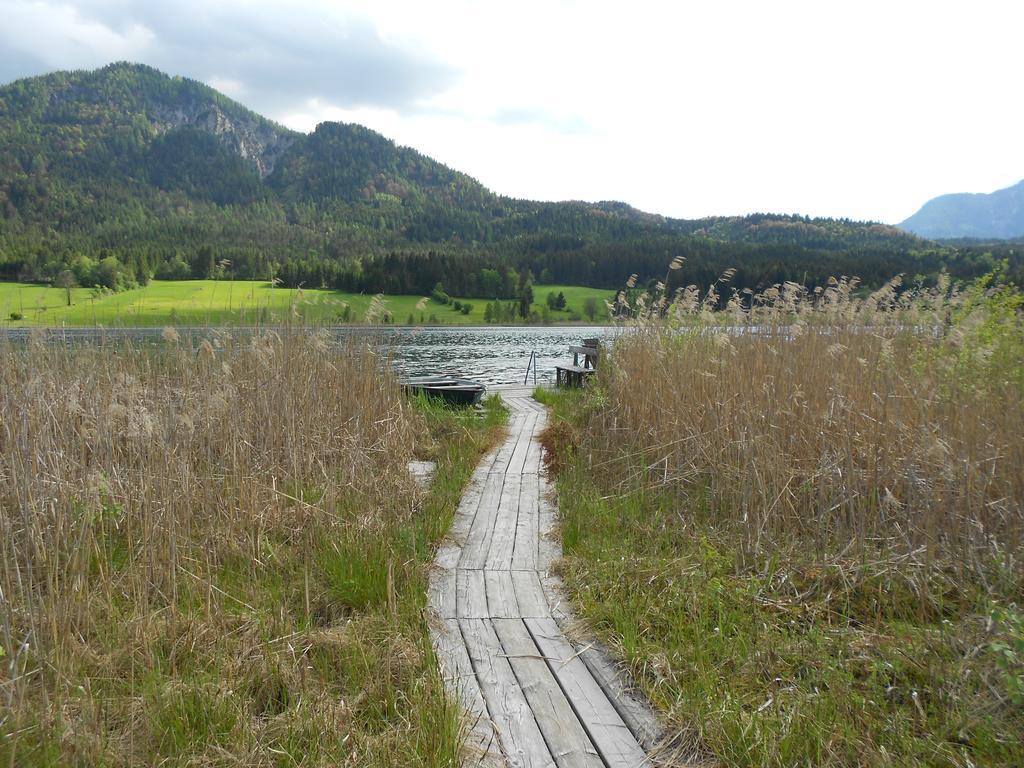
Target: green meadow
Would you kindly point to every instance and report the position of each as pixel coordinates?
(221, 302)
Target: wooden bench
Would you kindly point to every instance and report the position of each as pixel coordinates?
(576, 375)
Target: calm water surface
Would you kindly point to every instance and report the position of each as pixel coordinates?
(490, 354)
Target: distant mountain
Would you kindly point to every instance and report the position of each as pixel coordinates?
(999, 215)
(131, 127)
(164, 176)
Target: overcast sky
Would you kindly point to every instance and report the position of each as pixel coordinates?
(859, 109)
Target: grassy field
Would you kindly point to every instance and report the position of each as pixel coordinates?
(211, 302)
(222, 560)
(807, 542)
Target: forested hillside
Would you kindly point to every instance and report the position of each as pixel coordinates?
(996, 215)
(122, 174)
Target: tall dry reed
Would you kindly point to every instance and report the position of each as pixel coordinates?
(143, 490)
(887, 425)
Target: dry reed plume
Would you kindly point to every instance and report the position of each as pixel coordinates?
(800, 519)
(182, 533)
(851, 425)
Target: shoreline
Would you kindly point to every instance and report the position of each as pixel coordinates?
(79, 329)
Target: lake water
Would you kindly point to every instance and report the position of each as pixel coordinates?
(490, 354)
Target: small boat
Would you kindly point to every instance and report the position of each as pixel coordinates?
(448, 388)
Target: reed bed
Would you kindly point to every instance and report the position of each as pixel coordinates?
(801, 520)
(837, 423)
(213, 555)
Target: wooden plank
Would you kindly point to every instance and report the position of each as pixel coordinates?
(529, 594)
(524, 553)
(631, 706)
(512, 390)
(441, 592)
(587, 351)
(565, 736)
(504, 452)
(503, 542)
(518, 458)
(532, 463)
(554, 591)
(527, 402)
(503, 534)
(478, 540)
(468, 505)
(603, 724)
(470, 594)
(520, 736)
(448, 555)
(524, 404)
(501, 595)
(481, 745)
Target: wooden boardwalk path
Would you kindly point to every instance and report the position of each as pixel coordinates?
(534, 698)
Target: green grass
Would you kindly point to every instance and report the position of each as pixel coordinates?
(212, 302)
(342, 617)
(783, 661)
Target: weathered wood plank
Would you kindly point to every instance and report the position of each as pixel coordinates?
(518, 458)
(634, 710)
(520, 736)
(565, 736)
(501, 595)
(505, 450)
(583, 349)
(521, 404)
(448, 554)
(554, 592)
(527, 542)
(529, 594)
(441, 592)
(602, 722)
(478, 540)
(534, 452)
(481, 745)
(527, 403)
(493, 571)
(468, 508)
(468, 505)
(503, 534)
(470, 594)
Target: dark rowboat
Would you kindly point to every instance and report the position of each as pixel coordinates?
(448, 388)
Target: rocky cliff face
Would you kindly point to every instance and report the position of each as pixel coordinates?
(126, 96)
(261, 143)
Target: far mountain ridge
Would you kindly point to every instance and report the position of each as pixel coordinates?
(170, 178)
(995, 215)
(336, 160)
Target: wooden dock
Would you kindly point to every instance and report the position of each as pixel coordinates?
(533, 697)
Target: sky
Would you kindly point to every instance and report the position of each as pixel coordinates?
(862, 110)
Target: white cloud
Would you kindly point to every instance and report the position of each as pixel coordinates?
(57, 34)
(229, 86)
(846, 109)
